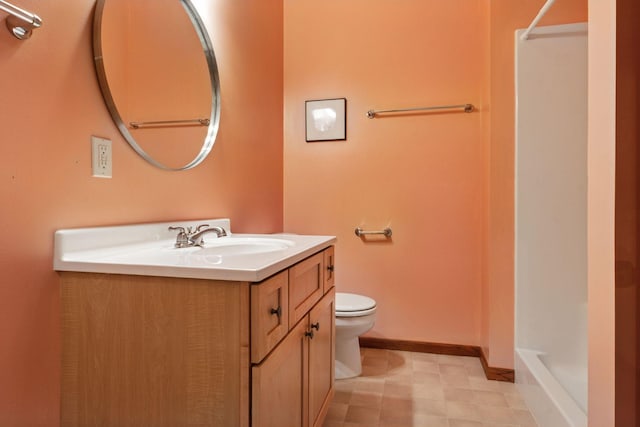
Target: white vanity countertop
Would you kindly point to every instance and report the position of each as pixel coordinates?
(148, 250)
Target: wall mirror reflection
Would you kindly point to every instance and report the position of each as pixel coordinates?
(158, 75)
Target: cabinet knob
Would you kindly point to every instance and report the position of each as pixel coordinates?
(330, 268)
(277, 311)
(315, 326)
(309, 334)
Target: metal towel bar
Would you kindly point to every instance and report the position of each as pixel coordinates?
(468, 108)
(201, 122)
(386, 232)
(21, 23)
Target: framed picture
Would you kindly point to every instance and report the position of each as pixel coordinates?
(326, 119)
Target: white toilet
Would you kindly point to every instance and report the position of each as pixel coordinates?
(355, 315)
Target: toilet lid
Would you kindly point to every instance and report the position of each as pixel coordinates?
(349, 303)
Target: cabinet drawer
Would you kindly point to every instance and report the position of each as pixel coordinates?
(306, 284)
(329, 268)
(269, 315)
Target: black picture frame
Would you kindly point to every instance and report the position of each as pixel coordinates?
(326, 120)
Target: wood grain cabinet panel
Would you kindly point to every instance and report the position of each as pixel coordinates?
(278, 383)
(329, 268)
(305, 286)
(321, 358)
(269, 314)
(138, 351)
(293, 386)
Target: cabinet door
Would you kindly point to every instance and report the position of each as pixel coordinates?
(305, 286)
(321, 358)
(153, 351)
(269, 315)
(329, 268)
(279, 383)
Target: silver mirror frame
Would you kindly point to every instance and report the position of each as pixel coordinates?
(214, 120)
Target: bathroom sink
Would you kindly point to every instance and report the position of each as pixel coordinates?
(216, 251)
(149, 249)
(241, 246)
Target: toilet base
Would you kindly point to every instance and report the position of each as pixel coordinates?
(348, 362)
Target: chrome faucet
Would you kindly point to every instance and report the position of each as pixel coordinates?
(195, 239)
(187, 238)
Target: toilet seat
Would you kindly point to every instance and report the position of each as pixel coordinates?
(354, 305)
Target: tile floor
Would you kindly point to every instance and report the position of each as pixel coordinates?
(404, 389)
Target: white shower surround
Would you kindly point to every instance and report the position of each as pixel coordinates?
(551, 223)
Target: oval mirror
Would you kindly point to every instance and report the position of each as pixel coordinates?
(158, 75)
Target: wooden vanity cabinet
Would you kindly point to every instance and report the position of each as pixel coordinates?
(293, 386)
(157, 351)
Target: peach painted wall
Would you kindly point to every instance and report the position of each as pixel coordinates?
(498, 312)
(601, 206)
(50, 106)
(420, 174)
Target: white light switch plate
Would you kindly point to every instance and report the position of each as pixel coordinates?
(101, 159)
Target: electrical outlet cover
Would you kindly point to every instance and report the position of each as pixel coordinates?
(101, 159)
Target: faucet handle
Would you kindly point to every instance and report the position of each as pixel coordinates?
(182, 240)
(201, 226)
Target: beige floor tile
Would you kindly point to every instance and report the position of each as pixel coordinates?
(402, 377)
(404, 389)
(451, 360)
(428, 366)
(421, 420)
(515, 401)
(459, 394)
(373, 353)
(427, 357)
(342, 396)
(374, 371)
(463, 411)
(344, 385)
(506, 387)
(490, 398)
(428, 391)
(524, 418)
(497, 414)
(464, 423)
(337, 411)
(429, 407)
(372, 385)
(398, 388)
(362, 415)
(455, 380)
(455, 370)
(400, 369)
(366, 399)
(427, 378)
(476, 383)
